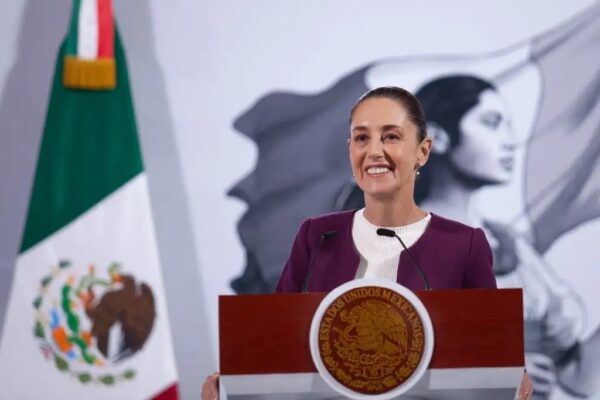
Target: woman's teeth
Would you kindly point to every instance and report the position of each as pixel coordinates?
(377, 170)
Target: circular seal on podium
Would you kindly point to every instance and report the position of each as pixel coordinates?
(371, 339)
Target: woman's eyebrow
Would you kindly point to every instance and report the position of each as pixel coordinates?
(392, 127)
(360, 128)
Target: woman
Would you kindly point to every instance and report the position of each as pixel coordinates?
(473, 146)
(473, 143)
(388, 146)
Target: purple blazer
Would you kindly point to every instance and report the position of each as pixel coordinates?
(452, 256)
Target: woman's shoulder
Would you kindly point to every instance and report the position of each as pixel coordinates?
(449, 225)
(335, 221)
(335, 218)
(457, 236)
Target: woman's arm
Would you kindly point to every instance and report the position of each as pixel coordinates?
(295, 269)
(479, 273)
(580, 375)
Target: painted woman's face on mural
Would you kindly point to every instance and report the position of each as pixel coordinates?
(487, 144)
(384, 149)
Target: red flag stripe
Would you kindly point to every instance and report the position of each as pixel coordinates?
(170, 393)
(106, 31)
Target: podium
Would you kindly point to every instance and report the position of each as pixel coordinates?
(478, 348)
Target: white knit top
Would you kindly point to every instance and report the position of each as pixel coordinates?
(379, 255)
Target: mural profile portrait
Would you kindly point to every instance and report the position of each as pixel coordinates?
(474, 147)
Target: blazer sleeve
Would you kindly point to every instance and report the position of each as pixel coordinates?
(479, 273)
(295, 269)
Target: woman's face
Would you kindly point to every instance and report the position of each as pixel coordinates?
(384, 149)
(487, 145)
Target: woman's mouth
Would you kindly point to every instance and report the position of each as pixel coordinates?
(377, 171)
(507, 163)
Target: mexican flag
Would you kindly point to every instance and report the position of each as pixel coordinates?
(87, 315)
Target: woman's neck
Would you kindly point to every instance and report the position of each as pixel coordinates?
(449, 195)
(390, 212)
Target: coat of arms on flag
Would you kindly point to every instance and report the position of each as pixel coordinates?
(88, 323)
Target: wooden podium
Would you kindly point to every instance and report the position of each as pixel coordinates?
(478, 351)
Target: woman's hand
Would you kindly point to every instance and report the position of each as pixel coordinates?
(550, 299)
(210, 388)
(502, 242)
(542, 374)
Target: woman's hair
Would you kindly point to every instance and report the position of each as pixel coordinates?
(405, 99)
(445, 101)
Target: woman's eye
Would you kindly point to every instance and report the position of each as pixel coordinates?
(491, 120)
(392, 137)
(361, 138)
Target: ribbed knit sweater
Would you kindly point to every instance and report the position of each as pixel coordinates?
(379, 255)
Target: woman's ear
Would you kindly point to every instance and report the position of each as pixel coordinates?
(440, 138)
(424, 151)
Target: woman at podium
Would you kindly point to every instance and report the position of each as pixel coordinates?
(391, 237)
(388, 146)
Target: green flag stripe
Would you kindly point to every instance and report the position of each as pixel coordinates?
(72, 35)
(89, 148)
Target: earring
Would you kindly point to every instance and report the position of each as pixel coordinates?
(418, 172)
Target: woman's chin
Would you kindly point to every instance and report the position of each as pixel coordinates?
(500, 179)
(484, 179)
(382, 192)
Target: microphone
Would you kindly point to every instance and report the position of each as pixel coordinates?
(391, 233)
(313, 257)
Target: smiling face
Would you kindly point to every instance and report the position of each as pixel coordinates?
(487, 145)
(384, 149)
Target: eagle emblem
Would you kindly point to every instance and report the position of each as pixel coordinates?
(89, 323)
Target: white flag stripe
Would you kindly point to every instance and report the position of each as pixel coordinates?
(87, 31)
(117, 229)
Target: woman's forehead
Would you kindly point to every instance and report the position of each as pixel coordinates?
(490, 99)
(379, 111)
(382, 119)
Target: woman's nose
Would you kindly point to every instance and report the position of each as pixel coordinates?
(375, 149)
(510, 144)
(510, 141)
